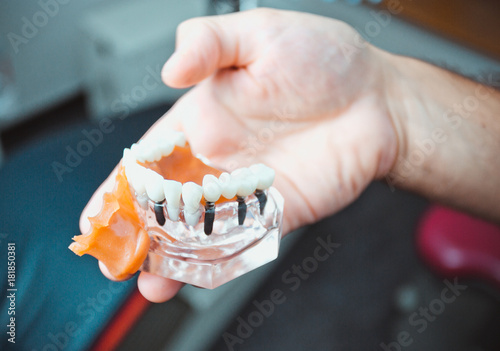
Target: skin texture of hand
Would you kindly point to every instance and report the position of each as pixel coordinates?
(449, 131)
(277, 87)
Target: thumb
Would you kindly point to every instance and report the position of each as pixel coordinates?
(206, 44)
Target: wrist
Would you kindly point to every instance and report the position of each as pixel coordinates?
(447, 139)
(411, 109)
(394, 93)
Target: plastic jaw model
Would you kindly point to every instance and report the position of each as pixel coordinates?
(172, 214)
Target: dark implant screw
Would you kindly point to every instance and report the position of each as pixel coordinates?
(242, 210)
(159, 214)
(209, 217)
(261, 196)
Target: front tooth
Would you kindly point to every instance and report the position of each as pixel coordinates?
(172, 190)
(191, 195)
(154, 186)
(136, 177)
(229, 186)
(264, 174)
(247, 181)
(212, 189)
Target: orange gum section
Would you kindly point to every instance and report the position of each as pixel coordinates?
(117, 236)
(181, 165)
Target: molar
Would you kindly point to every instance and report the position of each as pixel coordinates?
(247, 181)
(166, 147)
(178, 138)
(138, 151)
(264, 174)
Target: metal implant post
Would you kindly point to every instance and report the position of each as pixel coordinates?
(160, 216)
(242, 210)
(261, 196)
(209, 217)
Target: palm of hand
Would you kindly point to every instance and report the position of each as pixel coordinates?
(303, 108)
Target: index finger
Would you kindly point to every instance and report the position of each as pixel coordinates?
(207, 44)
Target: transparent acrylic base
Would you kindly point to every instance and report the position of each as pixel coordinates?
(185, 253)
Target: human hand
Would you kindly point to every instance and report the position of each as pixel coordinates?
(278, 87)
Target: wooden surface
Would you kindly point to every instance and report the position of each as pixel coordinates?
(473, 23)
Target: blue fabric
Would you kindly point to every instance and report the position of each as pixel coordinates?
(62, 300)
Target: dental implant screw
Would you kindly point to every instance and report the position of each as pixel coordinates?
(261, 196)
(160, 216)
(242, 210)
(209, 217)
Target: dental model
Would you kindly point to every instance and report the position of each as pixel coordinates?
(172, 214)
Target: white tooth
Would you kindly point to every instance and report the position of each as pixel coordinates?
(212, 189)
(143, 152)
(143, 201)
(128, 159)
(136, 176)
(191, 195)
(264, 174)
(247, 181)
(137, 152)
(129, 173)
(155, 154)
(154, 186)
(173, 213)
(176, 137)
(192, 218)
(229, 186)
(150, 150)
(127, 154)
(172, 190)
(166, 147)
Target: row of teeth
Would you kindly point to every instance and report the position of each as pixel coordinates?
(155, 147)
(240, 183)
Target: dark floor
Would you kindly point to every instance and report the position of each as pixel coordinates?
(357, 298)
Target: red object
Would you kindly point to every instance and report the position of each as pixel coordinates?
(121, 323)
(458, 245)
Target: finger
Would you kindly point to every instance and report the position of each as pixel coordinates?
(207, 44)
(157, 289)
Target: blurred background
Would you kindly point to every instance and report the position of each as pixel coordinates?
(68, 68)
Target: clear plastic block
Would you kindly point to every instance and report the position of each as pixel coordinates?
(185, 253)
